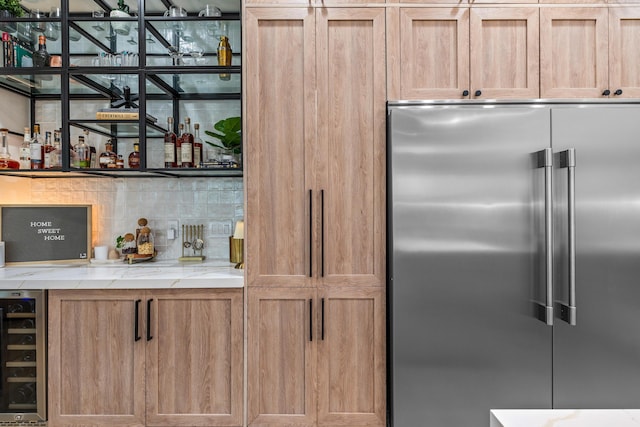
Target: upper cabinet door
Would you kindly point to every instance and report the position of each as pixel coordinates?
(280, 136)
(573, 52)
(433, 46)
(504, 53)
(351, 134)
(624, 55)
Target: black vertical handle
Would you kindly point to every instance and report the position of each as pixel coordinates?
(310, 319)
(149, 336)
(310, 233)
(322, 323)
(136, 328)
(322, 232)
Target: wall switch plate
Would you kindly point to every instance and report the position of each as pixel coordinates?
(172, 224)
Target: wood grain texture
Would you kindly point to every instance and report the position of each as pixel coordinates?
(624, 55)
(505, 52)
(573, 52)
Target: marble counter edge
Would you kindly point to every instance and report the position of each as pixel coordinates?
(564, 417)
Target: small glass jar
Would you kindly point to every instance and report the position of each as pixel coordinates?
(145, 242)
(129, 244)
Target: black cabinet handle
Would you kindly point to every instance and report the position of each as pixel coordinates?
(322, 232)
(618, 92)
(310, 233)
(465, 93)
(477, 93)
(322, 323)
(136, 328)
(606, 92)
(149, 336)
(310, 319)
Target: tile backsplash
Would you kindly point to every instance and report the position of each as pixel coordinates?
(216, 203)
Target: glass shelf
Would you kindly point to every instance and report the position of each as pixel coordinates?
(35, 85)
(119, 128)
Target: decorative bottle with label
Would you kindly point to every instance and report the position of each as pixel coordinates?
(224, 56)
(187, 144)
(197, 146)
(84, 153)
(41, 56)
(134, 156)
(6, 162)
(170, 145)
(108, 157)
(48, 149)
(25, 150)
(56, 155)
(37, 149)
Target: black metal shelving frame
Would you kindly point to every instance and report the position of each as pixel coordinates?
(144, 73)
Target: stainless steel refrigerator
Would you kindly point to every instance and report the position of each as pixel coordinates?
(514, 259)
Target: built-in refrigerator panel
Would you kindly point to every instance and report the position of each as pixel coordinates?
(467, 263)
(597, 361)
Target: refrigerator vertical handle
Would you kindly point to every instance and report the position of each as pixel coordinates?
(568, 160)
(545, 160)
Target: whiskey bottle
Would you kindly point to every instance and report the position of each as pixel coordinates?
(41, 56)
(134, 157)
(224, 56)
(83, 152)
(187, 145)
(197, 146)
(37, 149)
(6, 162)
(48, 149)
(170, 145)
(108, 158)
(25, 150)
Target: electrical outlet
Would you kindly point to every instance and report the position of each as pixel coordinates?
(173, 225)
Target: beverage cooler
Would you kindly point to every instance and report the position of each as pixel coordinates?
(22, 356)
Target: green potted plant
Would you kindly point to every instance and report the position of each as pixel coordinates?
(229, 134)
(11, 8)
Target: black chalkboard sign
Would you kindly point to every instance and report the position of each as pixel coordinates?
(39, 233)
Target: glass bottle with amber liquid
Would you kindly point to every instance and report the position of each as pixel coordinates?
(224, 56)
(134, 156)
(186, 142)
(41, 57)
(170, 145)
(108, 158)
(6, 162)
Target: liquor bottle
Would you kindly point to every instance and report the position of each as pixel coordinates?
(179, 145)
(170, 145)
(25, 150)
(48, 149)
(93, 154)
(83, 152)
(224, 56)
(41, 56)
(119, 162)
(134, 157)
(108, 158)
(6, 162)
(197, 146)
(187, 145)
(37, 149)
(55, 157)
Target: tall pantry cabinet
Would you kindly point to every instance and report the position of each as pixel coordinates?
(315, 214)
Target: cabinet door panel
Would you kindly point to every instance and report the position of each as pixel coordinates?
(351, 357)
(96, 368)
(280, 102)
(281, 357)
(573, 52)
(624, 55)
(195, 358)
(505, 52)
(351, 130)
(434, 52)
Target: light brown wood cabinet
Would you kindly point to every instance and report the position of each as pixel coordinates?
(315, 157)
(316, 357)
(463, 53)
(136, 358)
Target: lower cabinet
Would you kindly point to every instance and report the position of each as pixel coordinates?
(316, 356)
(145, 357)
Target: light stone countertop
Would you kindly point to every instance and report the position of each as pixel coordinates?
(565, 418)
(145, 275)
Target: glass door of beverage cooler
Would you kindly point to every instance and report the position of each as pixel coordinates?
(22, 356)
